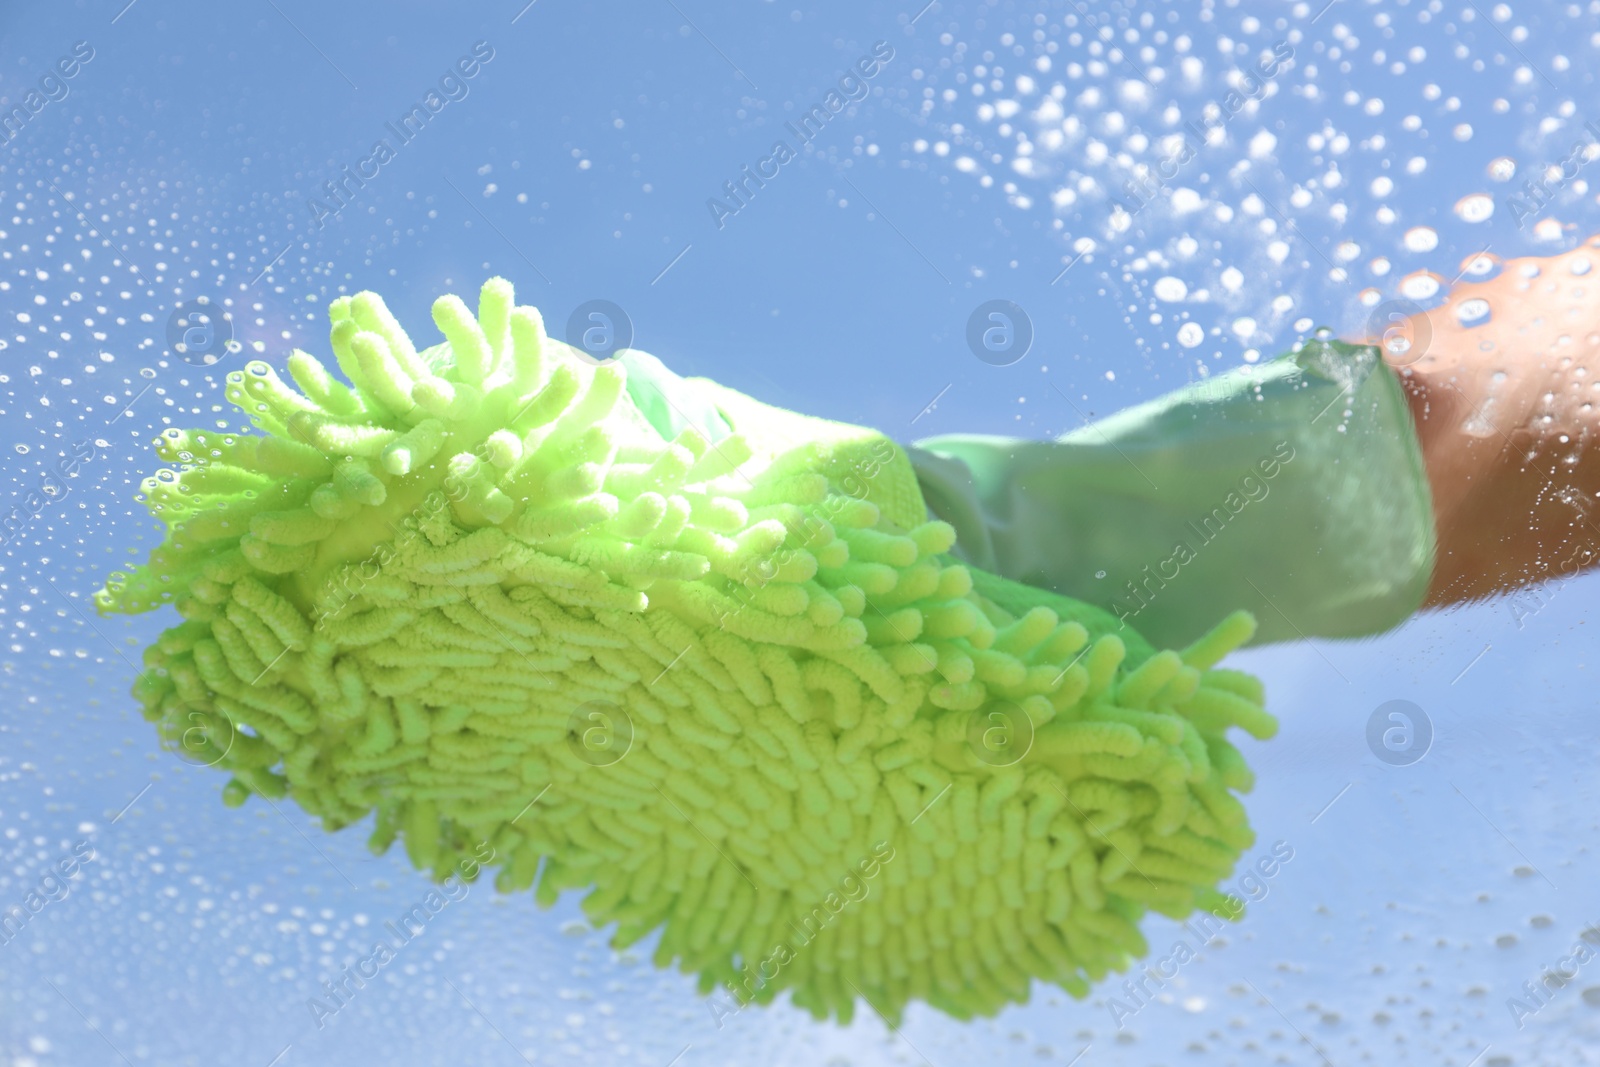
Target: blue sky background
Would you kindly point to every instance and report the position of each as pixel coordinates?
(179, 165)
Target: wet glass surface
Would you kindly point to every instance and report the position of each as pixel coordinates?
(1159, 193)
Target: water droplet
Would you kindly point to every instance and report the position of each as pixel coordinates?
(1581, 265)
(1478, 424)
(1421, 239)
(1190, 335)
(1547, 230)
(1502, 168)
(1099, 574)
(1477, 207)
(1170, 289)
(1473, 312)
(1420, 285)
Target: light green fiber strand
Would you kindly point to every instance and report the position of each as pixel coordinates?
(471, 590)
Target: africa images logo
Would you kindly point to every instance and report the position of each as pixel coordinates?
(452, 86)
(851, 87)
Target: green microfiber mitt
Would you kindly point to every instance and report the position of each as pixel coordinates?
(738, 690)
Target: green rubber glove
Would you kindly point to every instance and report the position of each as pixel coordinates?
(737, 692)
(1294, 489)
(669, 403)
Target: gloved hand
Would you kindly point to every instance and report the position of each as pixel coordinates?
(747, 674)
(1294, 489)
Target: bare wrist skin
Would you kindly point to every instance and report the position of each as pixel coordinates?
(1507, 406)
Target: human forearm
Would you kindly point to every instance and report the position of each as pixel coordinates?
(1506, 415)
